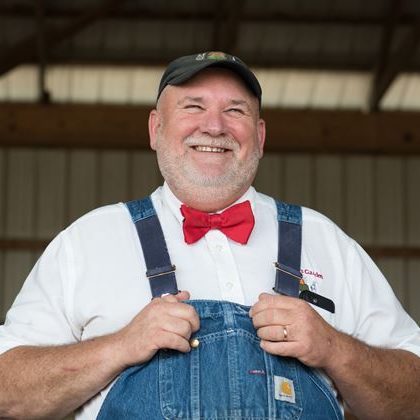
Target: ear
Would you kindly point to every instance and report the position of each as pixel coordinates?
(261, 136)
(154, 124)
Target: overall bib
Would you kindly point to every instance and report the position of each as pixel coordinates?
(227, 376)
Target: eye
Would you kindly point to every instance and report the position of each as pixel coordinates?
(238, 111)
(193, 106)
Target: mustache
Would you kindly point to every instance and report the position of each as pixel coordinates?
(221, 142)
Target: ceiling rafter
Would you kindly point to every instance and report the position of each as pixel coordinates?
(226, 24)
(26, 49)
(397, 62)
(310, 61)
(43, 94)
(389, 28)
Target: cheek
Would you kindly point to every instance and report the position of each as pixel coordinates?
(178, 133)
(249, 144)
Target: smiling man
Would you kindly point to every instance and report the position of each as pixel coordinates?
(191, 303)
(208, 141)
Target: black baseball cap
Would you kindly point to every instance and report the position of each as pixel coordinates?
(184, 68)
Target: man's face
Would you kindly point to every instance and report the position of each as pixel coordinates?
(208, 136)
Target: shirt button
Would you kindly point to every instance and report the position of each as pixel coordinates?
(229, 286)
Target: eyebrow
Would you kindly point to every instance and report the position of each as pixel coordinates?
(199, 99)
(240, 102)
(190, 99)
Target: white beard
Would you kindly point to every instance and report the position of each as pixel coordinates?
(194, 184)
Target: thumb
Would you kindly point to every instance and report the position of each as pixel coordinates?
(182, 295)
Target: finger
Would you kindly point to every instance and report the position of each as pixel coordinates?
(167, 298)
(188, 313)
(274, 301)
(184, 311)
(280, 348)
(267, 297)
(177, 326)
(272, 317)
(182, 295)
(275, 333)
(168, 340)
(179, 297)
(265, 300)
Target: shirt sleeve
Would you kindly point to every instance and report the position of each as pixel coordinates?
(41, 313)
(380, 318)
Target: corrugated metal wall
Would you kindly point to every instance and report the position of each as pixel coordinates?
(375, 199)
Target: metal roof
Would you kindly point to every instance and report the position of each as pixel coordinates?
(308, 89)
(324, 53)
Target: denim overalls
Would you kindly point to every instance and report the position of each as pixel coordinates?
(227, 376)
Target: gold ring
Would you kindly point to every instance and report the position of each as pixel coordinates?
(285, 333)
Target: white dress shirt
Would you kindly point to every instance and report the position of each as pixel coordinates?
(91, 280)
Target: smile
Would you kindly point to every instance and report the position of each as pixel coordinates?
(209, 149)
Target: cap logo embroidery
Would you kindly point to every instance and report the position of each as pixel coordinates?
(217, 55)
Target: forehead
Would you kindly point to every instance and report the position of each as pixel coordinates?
(211, 80)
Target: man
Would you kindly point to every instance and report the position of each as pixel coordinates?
(85, 314)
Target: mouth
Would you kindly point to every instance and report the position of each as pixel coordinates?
(209, 149)
(208, 145)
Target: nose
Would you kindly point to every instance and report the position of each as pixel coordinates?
(213, 123)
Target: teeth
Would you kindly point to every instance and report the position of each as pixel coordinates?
(209, 149)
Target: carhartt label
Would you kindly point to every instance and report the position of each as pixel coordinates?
(284, 389)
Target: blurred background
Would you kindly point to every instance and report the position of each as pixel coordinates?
(341, 97)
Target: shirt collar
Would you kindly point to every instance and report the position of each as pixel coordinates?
(174, 204)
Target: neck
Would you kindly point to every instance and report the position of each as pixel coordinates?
(207, 200)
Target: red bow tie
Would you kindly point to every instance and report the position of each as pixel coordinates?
(236, 222)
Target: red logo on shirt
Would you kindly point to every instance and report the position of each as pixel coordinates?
(311, 273)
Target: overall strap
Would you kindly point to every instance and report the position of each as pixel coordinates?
(288, 274)
(160, 271)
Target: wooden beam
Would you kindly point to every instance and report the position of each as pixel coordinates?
(55, 11)
(130, 58)
(396, 64)
(74, 126)
(26, 49)
(393, 251)
(343, 132)
(36, 245)
(125, 127)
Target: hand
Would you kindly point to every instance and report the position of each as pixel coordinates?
(309, 338)
(165, 323)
